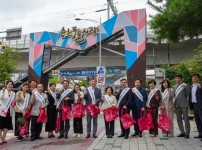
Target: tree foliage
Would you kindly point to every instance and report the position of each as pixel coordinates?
(177, 19)
(186, 67)
(54, 79)
(8, 63)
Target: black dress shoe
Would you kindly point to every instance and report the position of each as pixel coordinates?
(39, 138)
(88, 136)
(95, 136)
(181, 135)
(108, 136)
(198, 137)
(135, 134)
(126, 137)
(60, 136)
(66, 136)
(140, 134)
(121, 135)
(201, 139)
(186, 136)
(32, 139)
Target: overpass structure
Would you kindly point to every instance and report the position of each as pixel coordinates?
(129, 24)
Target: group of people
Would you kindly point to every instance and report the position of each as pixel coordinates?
(31, 97)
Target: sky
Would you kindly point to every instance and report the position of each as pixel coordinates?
(52, 15)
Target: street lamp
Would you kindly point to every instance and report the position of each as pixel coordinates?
(100, 32)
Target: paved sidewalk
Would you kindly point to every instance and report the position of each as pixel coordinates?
(146, 142)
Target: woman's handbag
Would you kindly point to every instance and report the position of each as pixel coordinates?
(21, 120)
(57, 124)
(22, 129)
(150, 123)
(79, 111)
(164, 122)
(110, 114)
(126, 120)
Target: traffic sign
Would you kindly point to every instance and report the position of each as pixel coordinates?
(100, 70)
(101, 80)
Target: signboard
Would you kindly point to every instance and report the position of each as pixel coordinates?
(46, 56)
(87, 73)
(13, 34)
(78, 35)
(100, 80)
(100, 70)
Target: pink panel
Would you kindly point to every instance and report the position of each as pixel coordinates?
(116, 29)
(37, 49)
(134, 17)
(76, 46)
(130, 46)
(128, 15)
(91, 39)
(141, 13)
(141, 23)
(67, 46)
(141, 48)
(50, 42)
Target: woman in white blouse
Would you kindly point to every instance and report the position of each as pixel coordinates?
(109, 100)
(6, 110)
(77, 122)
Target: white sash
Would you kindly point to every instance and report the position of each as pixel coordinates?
(109, 100)
(137, 92)
(165, 94)
(65, 93)
(151, 94)
(123, 93)
(179, 89)
(39, 97)
(92, 95)
(4, 109)
(53, 94)
(26, 102)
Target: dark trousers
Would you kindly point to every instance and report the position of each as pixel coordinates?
(136, 112)
(36, 128)
(78, 127)
(64, 126)
(154, 113)
(109, 127)
(198, 118)
(124, 131)
(95, 124)
(17, 115)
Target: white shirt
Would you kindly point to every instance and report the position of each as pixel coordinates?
(193, 93)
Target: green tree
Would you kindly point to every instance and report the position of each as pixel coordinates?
(177, 19)
(83, 83)
(8, 63)
(54, 79)
(185, 68)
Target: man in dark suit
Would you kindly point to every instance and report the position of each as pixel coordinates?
(124, 97)
(195, 100)
(93, 96)
(66, 97)
(139, 99)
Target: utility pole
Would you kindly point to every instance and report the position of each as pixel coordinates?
(108, 9)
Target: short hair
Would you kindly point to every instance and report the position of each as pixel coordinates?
(123, 80)
(152, 81)
(178, 76)
(52, 84)
(138, 79)
(93, 78)
(9, 81)
(109, 87)
(65, 81)
(196, 75)
(33, 81)
(39, 84)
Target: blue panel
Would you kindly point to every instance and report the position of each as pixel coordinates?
(32, 36)
(83, 45)
(44, 38)
(54, 37)
(132, 33)
(38, 65)
(131, 57)
(109, 25)
(103, 36)
(64, 43)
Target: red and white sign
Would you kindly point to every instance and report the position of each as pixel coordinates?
(101, 80)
